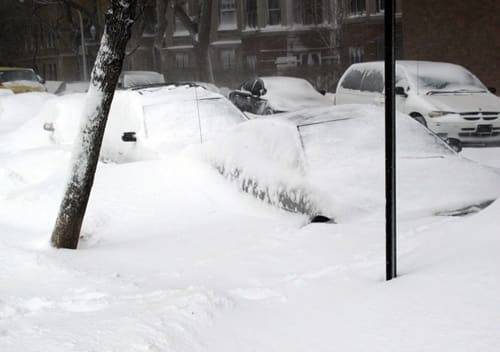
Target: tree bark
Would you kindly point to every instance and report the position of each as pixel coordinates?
(200, 36)
(107, 68)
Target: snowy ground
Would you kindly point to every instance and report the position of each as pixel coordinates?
(174, 258)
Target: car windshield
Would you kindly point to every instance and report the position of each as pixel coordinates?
(435, 78)
(141, 78)
(17, 75)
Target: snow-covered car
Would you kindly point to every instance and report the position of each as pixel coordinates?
(270, 95)
(147, 122)
(21, 80)
(330, 162)
(446, 98)
(137, 79)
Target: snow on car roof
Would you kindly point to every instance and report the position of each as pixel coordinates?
(291, 94)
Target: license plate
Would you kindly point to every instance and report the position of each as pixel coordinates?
(484, 128)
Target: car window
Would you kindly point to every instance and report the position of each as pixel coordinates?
(352, 80)
(17, 75)
(373, 81)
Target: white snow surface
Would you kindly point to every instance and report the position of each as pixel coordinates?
(174, 258)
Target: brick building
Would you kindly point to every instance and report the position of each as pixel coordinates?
(47, 36)
(462, 32)
(314, 39)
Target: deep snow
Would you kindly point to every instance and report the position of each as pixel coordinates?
(175, 258)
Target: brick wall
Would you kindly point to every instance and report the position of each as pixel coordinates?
(462, 32)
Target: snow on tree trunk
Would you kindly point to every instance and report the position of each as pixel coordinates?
(107, 69)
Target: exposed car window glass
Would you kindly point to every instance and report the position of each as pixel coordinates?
(352, 80)
(373, 81)
(18, 75)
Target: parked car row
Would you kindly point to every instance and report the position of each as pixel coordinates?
(446, 98)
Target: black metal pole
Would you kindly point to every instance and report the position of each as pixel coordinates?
(390, 141)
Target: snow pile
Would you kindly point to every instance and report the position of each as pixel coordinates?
(174, 258)
(18, 108)
(5, 92)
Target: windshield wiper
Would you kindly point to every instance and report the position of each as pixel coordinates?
(434, 92)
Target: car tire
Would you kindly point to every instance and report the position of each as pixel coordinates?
(419, 118)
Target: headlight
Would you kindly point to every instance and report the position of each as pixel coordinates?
(440, 113)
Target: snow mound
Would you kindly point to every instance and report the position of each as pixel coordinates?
(16, 109)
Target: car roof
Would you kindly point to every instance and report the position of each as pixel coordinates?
(15, 69)
(403, 63)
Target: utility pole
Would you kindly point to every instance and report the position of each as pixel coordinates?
(390, 142)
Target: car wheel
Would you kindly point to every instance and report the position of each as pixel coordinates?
(419, 118)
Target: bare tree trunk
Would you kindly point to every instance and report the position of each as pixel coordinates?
(205, 72)
(107, 68)
(200, 35)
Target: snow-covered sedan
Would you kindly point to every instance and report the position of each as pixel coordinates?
(446, 98)
(271, 95)
(147, 122)
(330, 162)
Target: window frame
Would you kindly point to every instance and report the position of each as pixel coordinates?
(272, 11)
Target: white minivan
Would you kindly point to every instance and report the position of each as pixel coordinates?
(448, 99)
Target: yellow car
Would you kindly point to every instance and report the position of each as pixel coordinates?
(21, 80)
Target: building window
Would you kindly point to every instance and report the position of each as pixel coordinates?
(356, 54)
(252, 63)
(51, 41)
(180, 29)
(309, 59)
(274, 12)
(309, 12)
(251, 13)
(227, 14)
(228, 58)
(380, 5)
(357, 7)
(181, 60)
(150, 25)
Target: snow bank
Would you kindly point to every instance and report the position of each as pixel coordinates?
(18, 108)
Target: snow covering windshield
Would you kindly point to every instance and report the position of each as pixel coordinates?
(440, 78)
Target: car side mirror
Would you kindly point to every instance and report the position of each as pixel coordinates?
(129, 137)
(48, 126)
(492, 90)
(322, 92)
(455, 144)
(40, 79)
(400, 91)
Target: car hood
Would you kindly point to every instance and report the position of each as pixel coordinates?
(465, 102)
(24, 86)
